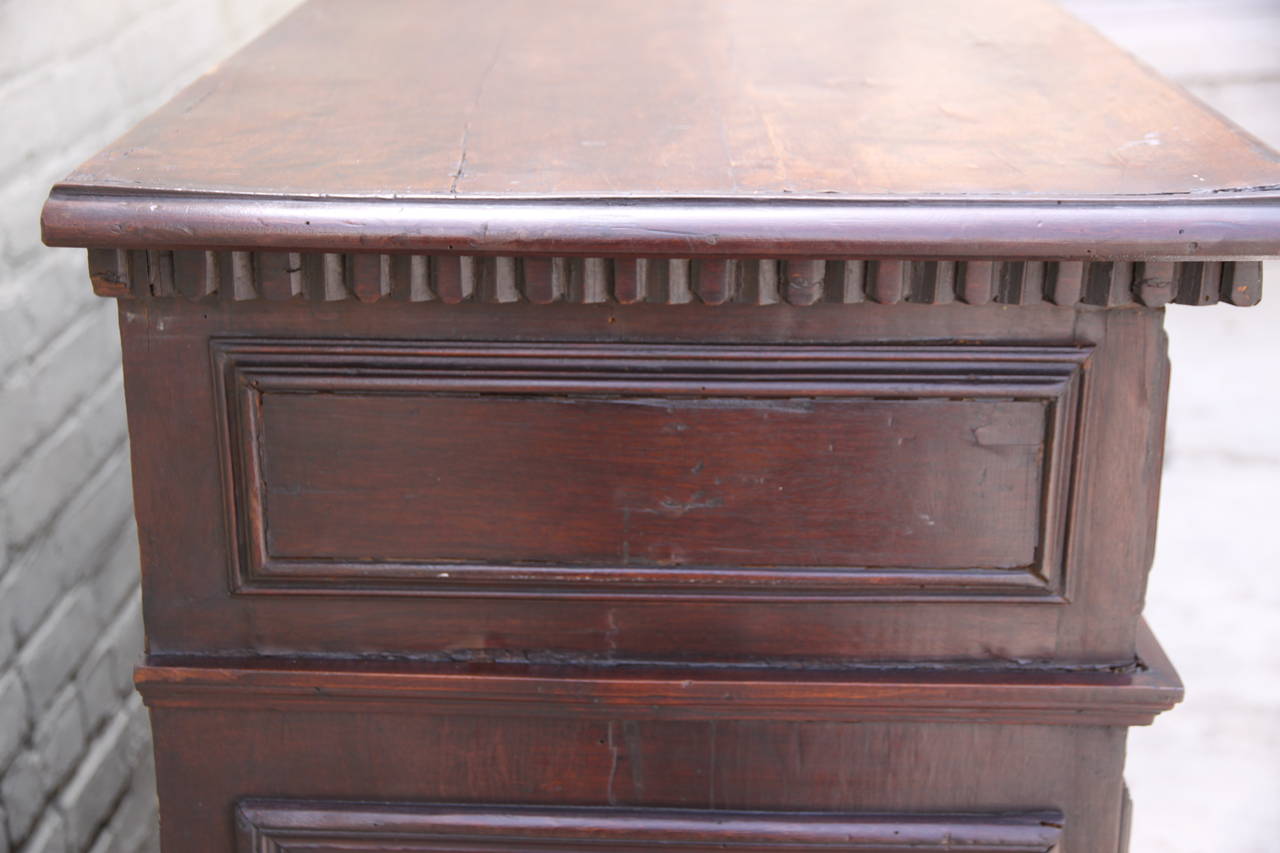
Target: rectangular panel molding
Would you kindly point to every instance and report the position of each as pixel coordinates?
(267, 826)
(651, 471)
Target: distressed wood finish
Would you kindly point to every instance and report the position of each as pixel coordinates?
(285, 276)
(1076, 607)
(630, 425)
(221, 757)
(683, 503)
(717, 134)
(987, 693)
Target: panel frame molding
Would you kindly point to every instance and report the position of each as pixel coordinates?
(246, 369)
(282, 826)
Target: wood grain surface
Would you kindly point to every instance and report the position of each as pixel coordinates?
(936, 128)
(626, 98)
(190, 556)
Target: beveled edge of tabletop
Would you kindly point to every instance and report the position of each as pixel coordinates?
(1225, 225)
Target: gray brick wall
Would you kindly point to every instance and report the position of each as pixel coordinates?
(75, 768)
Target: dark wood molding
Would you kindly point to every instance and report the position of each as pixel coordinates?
(247, 372)
(1212, 227)
(1026, 694)
(281, 826)
(239, 276)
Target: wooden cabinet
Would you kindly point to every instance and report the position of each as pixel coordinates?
(701, 426)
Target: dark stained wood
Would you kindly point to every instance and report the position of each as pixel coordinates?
(188, 558)
(717, 280)
(211, 760)
(704, 105)
(701, 102)
(1207, 228)
(647, 424)
(805, 281)
(1117, 696)
(627, 281)
(683, 504)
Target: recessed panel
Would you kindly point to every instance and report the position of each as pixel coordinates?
(573, 470)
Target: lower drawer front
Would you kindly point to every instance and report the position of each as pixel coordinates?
(574, 783)
(320, 827)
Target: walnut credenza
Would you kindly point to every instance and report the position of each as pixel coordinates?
(698, 426)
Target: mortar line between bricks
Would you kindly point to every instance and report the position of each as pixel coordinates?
(26, 453)
(24, 367)
(51, 268)
(70, 422)
(114, 451)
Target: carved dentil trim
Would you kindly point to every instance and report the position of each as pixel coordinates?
(451, 279)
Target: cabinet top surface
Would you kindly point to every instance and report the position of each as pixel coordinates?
(612, 101)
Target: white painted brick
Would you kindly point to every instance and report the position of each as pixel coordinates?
(91, 111)
(35, 490)
(14, 717)
(22, 196)
(59, 737)
(105, 843)
(38, 396)
(59, 114)
(248, 19)
(49, 837)
(40, 301)
(119, 576)
(96, 688)
(148, 58)
(27, 594)
(70, 549)
(75, 545)
(73, 75)
(136, 819)
(128, 646)
(7, 639)
(24, 793)
(150, 844)
(56, 649)
(87, 799)
(92, 521)
(31, 125)
(27, 26)
(106, 679)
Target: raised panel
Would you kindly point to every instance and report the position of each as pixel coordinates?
(312, 827)
(700, 472)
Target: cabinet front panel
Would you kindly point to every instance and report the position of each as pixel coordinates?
(563, 470)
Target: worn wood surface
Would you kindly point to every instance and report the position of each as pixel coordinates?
(851, 98)
(302, 277)
(682, 460)
(983, 692)
(714, 405)
(212, 759)
(190, 557)
(938, 128)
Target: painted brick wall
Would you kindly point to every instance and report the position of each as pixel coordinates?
(75, 769)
